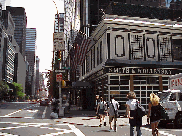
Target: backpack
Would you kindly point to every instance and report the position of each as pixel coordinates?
(140, 110)
(115, 111)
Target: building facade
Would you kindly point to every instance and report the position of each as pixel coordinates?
(30, 51)
(131, 54)
(3, 3)
(20, 20)
(37, 76)
(8, 45)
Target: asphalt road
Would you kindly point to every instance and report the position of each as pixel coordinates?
(26, 119)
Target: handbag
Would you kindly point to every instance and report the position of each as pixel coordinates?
(140, 110)
(163, 112)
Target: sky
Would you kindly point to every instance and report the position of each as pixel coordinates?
(40, 15)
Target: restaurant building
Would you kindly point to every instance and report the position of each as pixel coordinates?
(128, 54)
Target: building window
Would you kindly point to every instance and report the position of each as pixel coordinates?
(97, 55)
(94, 57)
(87, 63)
(108, 44)
(101, 52)
(91, 60)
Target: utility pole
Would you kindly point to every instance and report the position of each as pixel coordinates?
(61, 109)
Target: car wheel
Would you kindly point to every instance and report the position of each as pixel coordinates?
(178, 121)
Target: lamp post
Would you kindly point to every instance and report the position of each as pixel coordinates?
(61, 109)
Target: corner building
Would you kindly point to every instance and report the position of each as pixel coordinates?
(131, 54)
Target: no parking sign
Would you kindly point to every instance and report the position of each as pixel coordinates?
(58, 77)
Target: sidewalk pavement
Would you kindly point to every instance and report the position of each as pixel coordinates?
(88, 118)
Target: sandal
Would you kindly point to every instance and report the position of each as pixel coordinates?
(156, 131)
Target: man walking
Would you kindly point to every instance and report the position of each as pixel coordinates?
(113, 107)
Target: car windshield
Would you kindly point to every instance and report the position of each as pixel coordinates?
(163, 95)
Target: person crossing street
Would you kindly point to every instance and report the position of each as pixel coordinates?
(101, 111)
(113, 107)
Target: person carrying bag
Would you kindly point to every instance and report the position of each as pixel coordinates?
(134, 118)
(113, 112)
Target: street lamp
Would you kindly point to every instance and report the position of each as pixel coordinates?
(61, 110)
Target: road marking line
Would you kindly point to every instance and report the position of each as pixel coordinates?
(76, 130)
(160, 132)
(16, 117)
(6, 134)
(40, 125)
(43, 116)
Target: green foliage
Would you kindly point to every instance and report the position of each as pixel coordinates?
(18, 86)
(27, 97)
(20, 94)
(3, 88)
(19, 89)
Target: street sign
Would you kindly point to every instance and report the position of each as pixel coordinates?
(60, 70)
(58, 77)
(58, 39)
(66, 68)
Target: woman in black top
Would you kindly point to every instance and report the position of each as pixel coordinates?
(154, 113)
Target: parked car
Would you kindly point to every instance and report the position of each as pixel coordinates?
(171, 100)
(44, 102)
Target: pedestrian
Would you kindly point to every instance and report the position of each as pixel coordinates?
(101, 107)
(113, 107)
(96, 104)
(134, 120)
(154, 113)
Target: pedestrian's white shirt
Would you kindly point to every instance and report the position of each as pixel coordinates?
(132, 104)
(102, 105)
(115, 104)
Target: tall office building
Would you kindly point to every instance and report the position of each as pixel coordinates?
(20, 20)
(37, 76)
(61, 23)
(30, 55)
(3, 2)
(7, 49)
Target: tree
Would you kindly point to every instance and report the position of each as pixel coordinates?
(19, 90)
(3, 88)
(20, 94)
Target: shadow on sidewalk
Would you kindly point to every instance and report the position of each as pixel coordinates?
(78, 112)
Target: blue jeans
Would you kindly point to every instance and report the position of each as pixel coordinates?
(132, 133)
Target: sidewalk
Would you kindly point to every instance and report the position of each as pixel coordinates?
(88, 118)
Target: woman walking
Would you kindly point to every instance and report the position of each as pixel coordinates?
(154, 113)
(101, 111)
(131, 112)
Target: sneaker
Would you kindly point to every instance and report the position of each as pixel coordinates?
(100, 125)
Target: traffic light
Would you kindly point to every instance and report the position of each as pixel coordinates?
(59, 55)
(63, 83)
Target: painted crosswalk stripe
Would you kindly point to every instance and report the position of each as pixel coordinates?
(160, 132)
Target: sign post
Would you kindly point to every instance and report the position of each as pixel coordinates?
(59, 79)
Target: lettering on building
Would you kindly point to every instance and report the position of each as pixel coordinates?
(129, 70)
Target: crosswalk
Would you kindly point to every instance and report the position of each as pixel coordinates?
(59, 129)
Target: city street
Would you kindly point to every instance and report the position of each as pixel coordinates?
(31, 119)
